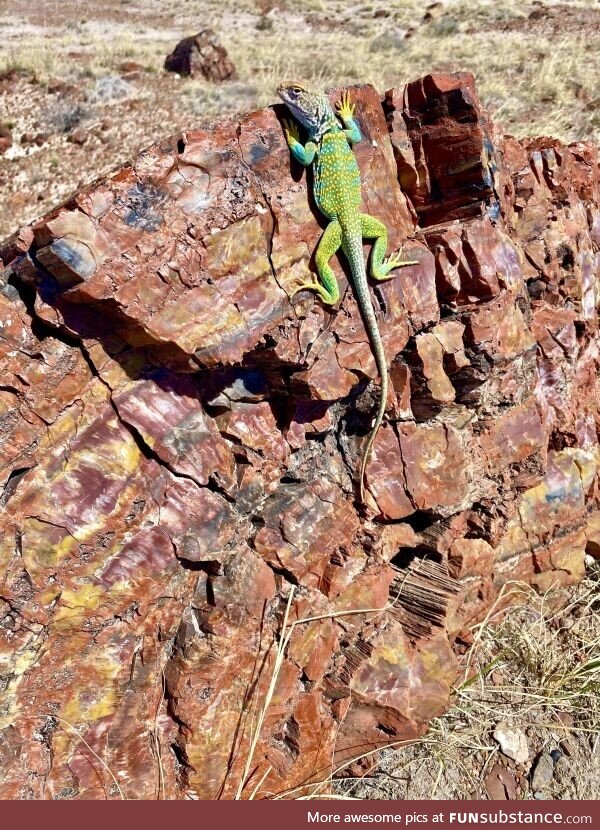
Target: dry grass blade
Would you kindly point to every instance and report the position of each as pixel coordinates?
(95, 754)
(267, 701)
(284, 639)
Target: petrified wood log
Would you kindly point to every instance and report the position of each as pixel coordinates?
(201, 54)
(180, 446)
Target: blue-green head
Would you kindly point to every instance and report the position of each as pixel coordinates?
(311, 109)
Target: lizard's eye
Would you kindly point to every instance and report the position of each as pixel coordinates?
(295, 91)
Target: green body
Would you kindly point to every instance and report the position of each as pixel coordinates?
(337, 191)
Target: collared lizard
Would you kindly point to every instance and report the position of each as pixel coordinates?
(337, 191)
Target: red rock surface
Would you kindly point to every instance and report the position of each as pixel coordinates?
(6, 139)
(180, 445)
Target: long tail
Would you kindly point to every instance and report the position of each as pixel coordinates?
(355, 255)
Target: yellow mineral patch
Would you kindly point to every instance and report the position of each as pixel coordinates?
(26, 659)
(9, 713)
(73, 604)
(39, 552)
(242, 243)
(63, 427)
(299, 208)
(571, 560)
(120, 451)
(75, 418)
(117, 375)
(77, 710)
(587, 462)
(392, 654)
(431, 660)
(290, 255)
(190, 334)
(107, 667)
(48, 595)
(7, 551)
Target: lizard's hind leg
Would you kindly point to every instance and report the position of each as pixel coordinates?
(380, 266)
(328, 245)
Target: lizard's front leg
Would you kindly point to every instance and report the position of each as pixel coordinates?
(302, 153)
(372, 228)
(327, 247)
(345, 110)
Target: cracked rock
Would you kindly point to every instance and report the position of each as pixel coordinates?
(179, 447)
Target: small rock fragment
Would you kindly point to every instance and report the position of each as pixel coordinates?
(538, 14)
(543, 772)
(57, 86)
(513, 742)
(432, 11)
(77, 137)
(566, 747)
(5, 138)
(264, 24)
(130, 66)
(500, 784)
(565, 718)
(564, 772)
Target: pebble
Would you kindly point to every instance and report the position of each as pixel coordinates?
(5, 138)
(566, 747)
(513, 742)
(543, 772)
(77, 137)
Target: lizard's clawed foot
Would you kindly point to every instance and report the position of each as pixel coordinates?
(396, 261)
(318, 289)
(305, 286)
(292, 134)
(345, 109)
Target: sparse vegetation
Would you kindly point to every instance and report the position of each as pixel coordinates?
(110, 88)
(534, 665)
(63, 115)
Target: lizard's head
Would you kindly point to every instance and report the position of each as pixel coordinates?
(312, 109)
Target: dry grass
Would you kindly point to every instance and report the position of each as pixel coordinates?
(71, 728)
(258, 708)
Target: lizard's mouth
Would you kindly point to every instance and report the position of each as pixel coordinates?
(285, 97)
(296, 111)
